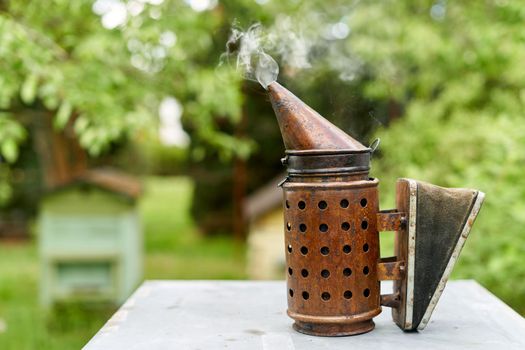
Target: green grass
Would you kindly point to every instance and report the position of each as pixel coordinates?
(173, 245)
(173, 250)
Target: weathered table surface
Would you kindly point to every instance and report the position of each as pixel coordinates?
(211, 315)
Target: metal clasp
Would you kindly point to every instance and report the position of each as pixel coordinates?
(280, 184)
(374, 145)
(390, 220)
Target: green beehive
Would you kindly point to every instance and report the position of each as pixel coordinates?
(91, 239)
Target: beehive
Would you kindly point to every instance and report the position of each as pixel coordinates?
(90, 240)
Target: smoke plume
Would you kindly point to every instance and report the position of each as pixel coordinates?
(310, 41)
(248, 49)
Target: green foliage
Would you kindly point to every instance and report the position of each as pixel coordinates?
(11, 134)
(111, 80)
(461, 81)
(57, 56)
(58, 65)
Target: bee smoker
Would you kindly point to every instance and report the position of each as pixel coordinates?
(332, 223)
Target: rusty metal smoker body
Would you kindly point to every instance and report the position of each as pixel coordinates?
(332, 223)
(332, 248)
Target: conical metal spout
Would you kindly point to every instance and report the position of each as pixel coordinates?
(302, 128)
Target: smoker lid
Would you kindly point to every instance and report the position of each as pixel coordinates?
(303, 129)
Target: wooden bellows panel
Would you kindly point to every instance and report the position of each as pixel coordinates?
(438, 221)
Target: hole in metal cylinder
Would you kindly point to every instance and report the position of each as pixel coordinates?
(363, 202)
(322, 205)
(304, 250)
(325, 296)
(290, 291)
(347, 294)
(344, 203)
(323, 227)
(288, 226)
(347, 249)
(290, 271)
(365, 247)
(364, 224)
(301, 205)
(289, 248)
(304, 272)
(345, 226)
(325, 250)
(306, 295)
(366, 293)
(302, 228)
(366, 270)
(325, 273)
(347, 271)
(287, 204)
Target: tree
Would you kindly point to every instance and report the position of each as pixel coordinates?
(104, 84)
(457, 70)
(107, 82)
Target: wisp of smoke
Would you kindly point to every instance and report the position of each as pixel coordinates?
(247, 47)
(304, 41)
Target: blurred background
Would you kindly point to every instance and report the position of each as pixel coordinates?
(129, 152)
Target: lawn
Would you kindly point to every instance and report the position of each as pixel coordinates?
(174, 250)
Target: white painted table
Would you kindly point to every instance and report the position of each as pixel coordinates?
(210, 315)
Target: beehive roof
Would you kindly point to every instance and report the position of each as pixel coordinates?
(265, 199)
(111, 180)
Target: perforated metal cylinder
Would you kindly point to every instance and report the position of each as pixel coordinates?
(332, 250)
